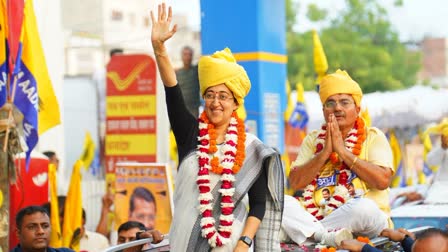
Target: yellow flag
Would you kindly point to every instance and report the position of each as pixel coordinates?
(173, 149)
(441, 128)
(73, 210)
(287, 165)
(399, 178)
(365, 115)
(56, 237)
(88, 153)
(300, 92)
(3, 60)
(320, 60)
(33, 58)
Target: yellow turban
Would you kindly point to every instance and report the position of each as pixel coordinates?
(441, 128)
(221, 68)
(339, 83)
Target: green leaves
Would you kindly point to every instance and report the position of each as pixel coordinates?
(359, 39)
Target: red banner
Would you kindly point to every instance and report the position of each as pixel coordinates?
(31, 188)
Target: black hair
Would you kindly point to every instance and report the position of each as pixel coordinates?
(131, 224)
(326, 190)
(47, 207)
(142, 193)
(29, 210)
(49, 154)
(431, 232)
(189, 48)
(61, 205)
(114, 51)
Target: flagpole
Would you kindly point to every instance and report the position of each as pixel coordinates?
(4, 181)
(10, 120)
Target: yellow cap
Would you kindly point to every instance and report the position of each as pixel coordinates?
(222, 68)
(339, 83)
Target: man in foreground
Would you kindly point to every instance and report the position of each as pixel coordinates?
(33, 230)
(343, 151)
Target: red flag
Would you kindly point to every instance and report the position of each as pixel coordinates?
(15, 20)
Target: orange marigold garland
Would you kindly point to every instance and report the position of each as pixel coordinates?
(240, 154)
(364, 239)
(232, 160)
(353, 143)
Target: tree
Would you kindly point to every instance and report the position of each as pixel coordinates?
(360, 40)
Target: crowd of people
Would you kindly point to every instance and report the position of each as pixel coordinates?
(229, 193)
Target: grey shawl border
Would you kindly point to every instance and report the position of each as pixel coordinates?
(256, 155)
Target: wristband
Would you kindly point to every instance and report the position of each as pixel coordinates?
(354, 162)
(246, 240)
(405, 236)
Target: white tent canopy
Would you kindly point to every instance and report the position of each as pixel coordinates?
(418, 105)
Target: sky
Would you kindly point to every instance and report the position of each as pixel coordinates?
(414, 20)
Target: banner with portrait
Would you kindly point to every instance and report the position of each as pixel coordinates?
(414, 162)
(143, 192)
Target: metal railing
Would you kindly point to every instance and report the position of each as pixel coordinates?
(378, 241)
(140, 242)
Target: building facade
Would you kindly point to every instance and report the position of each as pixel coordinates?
(434, 61)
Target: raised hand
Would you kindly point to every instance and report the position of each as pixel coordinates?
(156, 236)
(161, 27)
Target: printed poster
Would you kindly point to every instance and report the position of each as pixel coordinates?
(143, 193)
(414, 162)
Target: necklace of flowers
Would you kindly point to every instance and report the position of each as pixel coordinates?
(230, 164)
(353, 143)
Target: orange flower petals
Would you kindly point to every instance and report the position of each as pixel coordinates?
(240, 154)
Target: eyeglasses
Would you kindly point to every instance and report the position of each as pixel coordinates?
(331, 104)
(222, 96)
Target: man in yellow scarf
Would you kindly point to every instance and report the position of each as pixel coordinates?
(343, 152)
